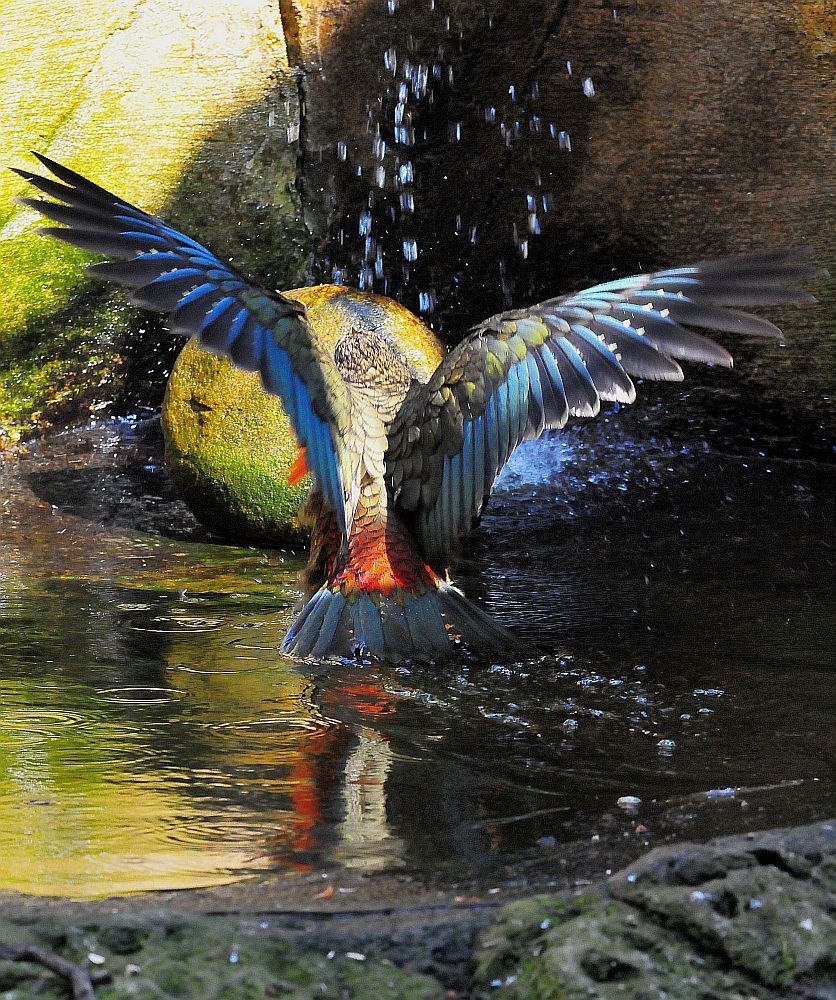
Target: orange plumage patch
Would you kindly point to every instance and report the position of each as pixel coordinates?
(383, 560)
(298, 470)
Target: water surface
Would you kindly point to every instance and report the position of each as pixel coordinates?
(151, 736)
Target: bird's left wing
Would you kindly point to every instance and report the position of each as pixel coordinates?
(257, 330)
(521, 372)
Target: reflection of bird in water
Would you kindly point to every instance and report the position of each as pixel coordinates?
(403, 468)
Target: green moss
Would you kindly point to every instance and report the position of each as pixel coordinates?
(213, 959)
(229, 447)
(188, 140)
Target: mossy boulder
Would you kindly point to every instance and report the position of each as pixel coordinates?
(741, 917)
(229, 445)
(187, 110)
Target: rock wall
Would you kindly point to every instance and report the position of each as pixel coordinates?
(186, 109)
(459, 155)
(553, 140)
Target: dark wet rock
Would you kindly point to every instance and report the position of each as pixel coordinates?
(229, 446)
(704, 129)
(688, 124)
(739, 917)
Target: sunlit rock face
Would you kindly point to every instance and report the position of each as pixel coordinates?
(188, 110)
(229, 445)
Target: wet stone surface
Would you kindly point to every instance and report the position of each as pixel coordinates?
(746, 916)
(740, 917)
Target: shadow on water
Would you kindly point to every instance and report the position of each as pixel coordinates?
(673, 561)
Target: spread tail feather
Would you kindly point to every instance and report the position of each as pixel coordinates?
(419, 626)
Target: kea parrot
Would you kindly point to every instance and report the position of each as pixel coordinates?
(403, 466)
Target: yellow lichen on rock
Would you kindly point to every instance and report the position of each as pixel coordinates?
(130, 94)
(229, 445)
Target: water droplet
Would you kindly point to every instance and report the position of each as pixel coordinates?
(380, 176)
(365, 223)
(569, 67)
(426, 301)
(629, 802)
(410, 250)
(407, 202)
(720, 793)
(454, 132)
(405, 173)
(390, 59)
(588, 87)
(564, 141)
(490, 115)
(342, 151)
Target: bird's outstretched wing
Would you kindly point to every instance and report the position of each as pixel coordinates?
(521, 372)
(257, 330)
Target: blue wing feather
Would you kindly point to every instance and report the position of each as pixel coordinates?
(479, 461)
(173, 273)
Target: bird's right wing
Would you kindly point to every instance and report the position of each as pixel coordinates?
(523, 371)
(209, 300)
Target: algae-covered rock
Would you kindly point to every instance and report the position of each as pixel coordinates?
(742, 917)
(225, 958)
(188, 110)
(229, 445)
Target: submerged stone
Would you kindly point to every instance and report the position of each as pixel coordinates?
(229, 445)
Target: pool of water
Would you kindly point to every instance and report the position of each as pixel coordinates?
(678, 593)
